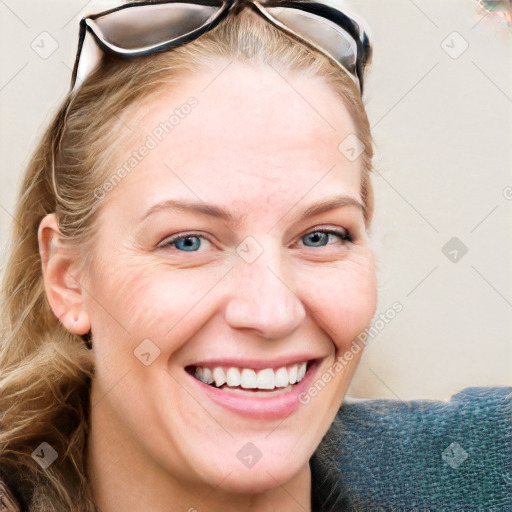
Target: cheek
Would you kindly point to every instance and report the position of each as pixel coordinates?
(343, 298)
(151, 300)
(135, 300)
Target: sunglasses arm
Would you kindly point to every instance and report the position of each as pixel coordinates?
(88, 56)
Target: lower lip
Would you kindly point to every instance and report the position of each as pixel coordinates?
(259, 407)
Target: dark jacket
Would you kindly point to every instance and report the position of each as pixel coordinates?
(419, 455)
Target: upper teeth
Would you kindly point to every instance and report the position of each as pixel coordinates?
(248, 378)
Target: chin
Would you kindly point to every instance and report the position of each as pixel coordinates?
(260, 478)
(250, 470)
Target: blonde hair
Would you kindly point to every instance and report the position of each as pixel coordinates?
(46, 370)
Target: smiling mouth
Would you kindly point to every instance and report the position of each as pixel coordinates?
(245, 380)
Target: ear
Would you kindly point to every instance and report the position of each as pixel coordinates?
(63, 287)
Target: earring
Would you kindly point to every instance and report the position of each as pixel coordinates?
(87, 338)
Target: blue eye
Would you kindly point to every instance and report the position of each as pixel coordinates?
(188, 243)
(321, 238)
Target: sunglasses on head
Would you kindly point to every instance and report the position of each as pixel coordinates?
(142, 28)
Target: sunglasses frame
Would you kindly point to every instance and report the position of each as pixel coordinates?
(331, 14)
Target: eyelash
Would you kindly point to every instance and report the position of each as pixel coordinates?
(343, 234)
(174, 238)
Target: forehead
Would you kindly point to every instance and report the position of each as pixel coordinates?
(239, 133)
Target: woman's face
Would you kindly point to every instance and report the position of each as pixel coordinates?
(274, 273)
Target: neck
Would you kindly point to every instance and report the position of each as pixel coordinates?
(124, 477)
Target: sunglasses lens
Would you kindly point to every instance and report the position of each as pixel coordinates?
(320, 32)
(152, 25)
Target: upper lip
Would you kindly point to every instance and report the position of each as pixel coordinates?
(256, 364)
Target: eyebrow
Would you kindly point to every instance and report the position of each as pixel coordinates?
(219, 212)
(330, 204)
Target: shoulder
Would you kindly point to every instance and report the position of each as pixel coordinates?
(8, 502)
(431, 454)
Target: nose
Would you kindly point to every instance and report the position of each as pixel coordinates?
(263, 300)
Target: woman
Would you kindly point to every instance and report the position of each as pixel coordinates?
(190, 257)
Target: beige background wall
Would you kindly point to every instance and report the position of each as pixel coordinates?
(440, 102)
